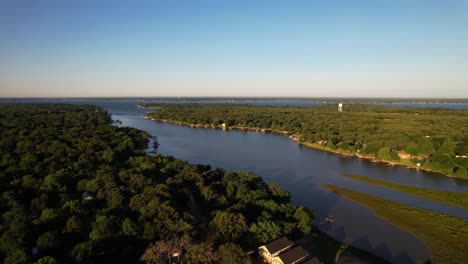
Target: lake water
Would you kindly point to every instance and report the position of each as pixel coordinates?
(302, 171)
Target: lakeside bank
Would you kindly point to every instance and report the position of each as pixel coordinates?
(296, 138)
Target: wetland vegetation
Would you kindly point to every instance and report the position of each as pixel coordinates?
(457, 199)
(444, 235)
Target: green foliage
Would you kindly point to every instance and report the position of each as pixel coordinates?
(412, 149)
(73, 224)
(265, 231)
(46, 260)
(19, 256)
(129, 228)
(48, 240)
(74, 207)
(201, 254)
(104, 227)
(228, 226)
(48, 215)
(304, 218)
(56, 153)
(82, 252)
(384, 153)
(232, 254)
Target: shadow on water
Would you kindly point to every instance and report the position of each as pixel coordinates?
(384, 251)
(381, 249)
(358, 226)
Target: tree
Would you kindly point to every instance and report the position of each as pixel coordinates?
(384, 153)
(46, 260)
(201, 254)
(232, 254)
(104, 227)
(82, 252)
(155, 252)
(265, 231)
(10, 242)
(108, 155)
(73, 224)
(166, 249)
(74, 207)
(128, 227)
(228, 226)
(114, 198)
(18, 257)
(39, 203)
(304, 218)
(48, 240)
(278, 193)
(412, 149)
(48, 215)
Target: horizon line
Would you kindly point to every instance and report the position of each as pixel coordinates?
(228, 97)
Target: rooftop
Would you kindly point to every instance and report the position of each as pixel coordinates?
(278, 244)
(293, 255)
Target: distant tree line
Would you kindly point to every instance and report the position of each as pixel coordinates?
(434, 138)
(76, 189)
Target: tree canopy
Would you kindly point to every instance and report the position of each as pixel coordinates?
(80, 190)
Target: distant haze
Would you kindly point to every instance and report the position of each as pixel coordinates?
(234, 48)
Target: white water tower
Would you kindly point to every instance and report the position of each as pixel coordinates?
(340, 107)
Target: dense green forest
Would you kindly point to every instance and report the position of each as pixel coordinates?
(429, 138)
(77, 189)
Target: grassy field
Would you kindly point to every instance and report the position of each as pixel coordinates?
(456, 199)
(445, 236)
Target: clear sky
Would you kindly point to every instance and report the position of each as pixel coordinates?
(372, 48)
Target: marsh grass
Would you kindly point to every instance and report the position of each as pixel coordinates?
(446, 236)
(456, 199)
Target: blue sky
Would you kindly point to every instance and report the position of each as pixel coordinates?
(234, 48)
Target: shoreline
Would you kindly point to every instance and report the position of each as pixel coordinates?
(295, 139)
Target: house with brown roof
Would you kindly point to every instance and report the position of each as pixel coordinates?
(274, 248)
(292, 256)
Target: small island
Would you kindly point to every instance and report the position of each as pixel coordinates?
(432, 139)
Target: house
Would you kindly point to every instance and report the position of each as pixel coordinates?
(274, 248)
(292, 256)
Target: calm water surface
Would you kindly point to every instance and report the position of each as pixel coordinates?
(302, 171)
